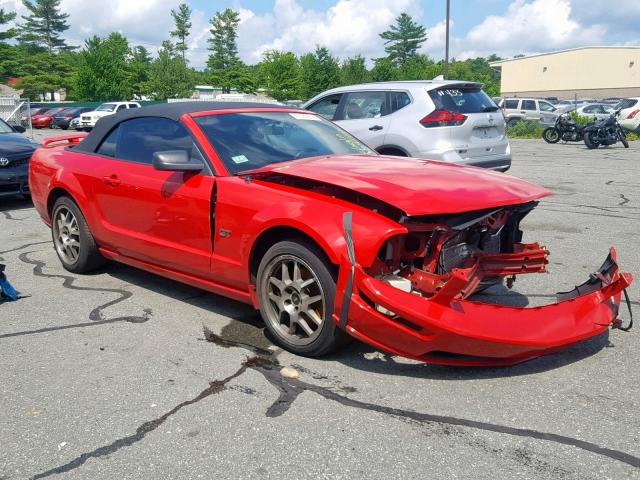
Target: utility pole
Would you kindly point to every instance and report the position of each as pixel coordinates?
(446, 50)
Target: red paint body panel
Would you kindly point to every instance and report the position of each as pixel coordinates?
(170, 223)
(417, 187)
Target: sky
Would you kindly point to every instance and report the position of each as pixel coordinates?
(351, 27)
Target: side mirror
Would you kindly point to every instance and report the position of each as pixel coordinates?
(19, 129)
(176, 161)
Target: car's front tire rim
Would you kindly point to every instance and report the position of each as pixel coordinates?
(294, 300)
(66, 235)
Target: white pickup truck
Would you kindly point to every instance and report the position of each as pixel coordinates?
(88, 120)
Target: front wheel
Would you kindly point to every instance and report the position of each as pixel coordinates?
(74, 244)
(623, 138)
(296, 291)
(551, 135)
(590, 141)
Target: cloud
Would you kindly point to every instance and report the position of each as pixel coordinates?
(349, 27)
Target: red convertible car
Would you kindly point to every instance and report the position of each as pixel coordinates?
(283, 210)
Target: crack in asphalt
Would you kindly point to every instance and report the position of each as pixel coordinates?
(21, 247)
(214, 388)
(624, 201)
(96, 314)
(8, 216)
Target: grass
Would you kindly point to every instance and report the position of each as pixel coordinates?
(525, 129)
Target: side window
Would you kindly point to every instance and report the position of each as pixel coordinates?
(546, 107)
(121, 107)
(140, 138)
(133, 105)
(327, 106)
(364, 105)
(108, 145)
(528, 105)
(398, 100)
(511, 104)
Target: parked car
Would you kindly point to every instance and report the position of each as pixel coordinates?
(74, 124)
(15, 151)
(63, 119)
(518, 109)
(629, 116)
(284, 210)
(43, 120)
(88, 120)
(597, 111)
(449, 121)
(24, 119)
(611, 100)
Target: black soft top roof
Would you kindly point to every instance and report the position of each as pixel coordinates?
(172, 111)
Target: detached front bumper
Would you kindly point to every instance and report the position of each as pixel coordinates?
(451, 330)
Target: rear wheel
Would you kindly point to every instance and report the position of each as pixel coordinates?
(74, 244)
(296, 291)
(392, 151)
(590, 141)
(551, 135)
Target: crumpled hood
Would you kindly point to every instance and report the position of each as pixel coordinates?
(417, 187)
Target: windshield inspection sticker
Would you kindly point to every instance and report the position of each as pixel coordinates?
(305, 116)
(240, 159)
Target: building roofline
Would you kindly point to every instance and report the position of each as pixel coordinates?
(618, 47)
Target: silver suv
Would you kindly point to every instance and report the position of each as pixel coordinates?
(517, 109)
(451, 121)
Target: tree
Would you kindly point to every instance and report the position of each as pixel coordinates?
(44, 25)
(169, 76)
(354, 70)
(319, 72)
(403, 39)
(43, 72)
(383, 70)
(140, 66)
(182, 19)
(225, 68)
(103, 72)
(8, 52)
(417, 67)
(6, 17)
(280, 74)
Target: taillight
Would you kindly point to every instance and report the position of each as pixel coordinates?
(68, 115)
(443, 118)
(633, 114)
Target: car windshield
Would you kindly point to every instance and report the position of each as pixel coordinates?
(5, 128)
(245, 141)
(106, 107)
(462, 99)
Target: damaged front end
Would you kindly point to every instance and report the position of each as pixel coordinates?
(413, 299)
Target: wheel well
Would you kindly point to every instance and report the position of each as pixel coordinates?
(273, 235)
(392, 151)
(54, 195)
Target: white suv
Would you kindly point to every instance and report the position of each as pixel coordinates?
(517, 109)
(451, 121)
(88, 120)
(629, 117)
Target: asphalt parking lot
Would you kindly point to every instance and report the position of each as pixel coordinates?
(122, 374)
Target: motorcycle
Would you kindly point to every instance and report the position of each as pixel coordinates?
(563, 129)
(605, 132)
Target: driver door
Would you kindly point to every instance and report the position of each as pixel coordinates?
(160, 217)
(364, 115)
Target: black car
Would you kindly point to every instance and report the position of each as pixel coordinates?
(63, 119)
(15, 152)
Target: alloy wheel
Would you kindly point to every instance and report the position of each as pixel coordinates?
(296, 301)
(66, 235)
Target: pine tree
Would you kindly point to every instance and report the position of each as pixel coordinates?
(43, 27)
(169, 77)
(182, 19)
(225, 68)
(6, 17)
(403, 39)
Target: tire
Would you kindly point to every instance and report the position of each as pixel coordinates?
(296, 327)
(86, 129)
(63, 127)
(551, 135)
(623, 138)
(392, 151)
(591, 144)
(72, 239)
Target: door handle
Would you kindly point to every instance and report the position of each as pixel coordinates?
(112, 181)
(375, 128)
